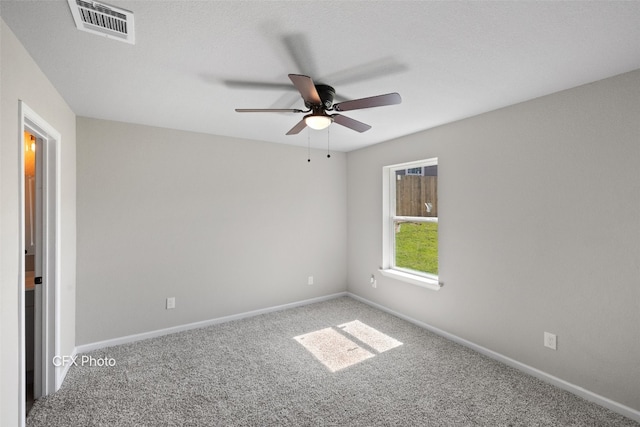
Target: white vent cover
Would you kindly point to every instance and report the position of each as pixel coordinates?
(103, 19)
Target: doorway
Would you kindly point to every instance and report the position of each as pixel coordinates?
(39, 279)
(32, 242)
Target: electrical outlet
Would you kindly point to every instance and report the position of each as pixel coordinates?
(373, 281)
(310, 280)
(550, 341)
(171, 303)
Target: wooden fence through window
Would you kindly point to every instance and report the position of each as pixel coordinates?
(413, 193)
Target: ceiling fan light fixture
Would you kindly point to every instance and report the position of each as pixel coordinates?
(318, 122)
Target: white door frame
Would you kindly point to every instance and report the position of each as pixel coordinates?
(48, 376)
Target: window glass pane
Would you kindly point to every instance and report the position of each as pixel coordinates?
(411, 226)
(416, 246)
(417, 195)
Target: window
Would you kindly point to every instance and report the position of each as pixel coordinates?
(410, 222)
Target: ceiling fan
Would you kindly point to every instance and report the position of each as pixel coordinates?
(318, 99)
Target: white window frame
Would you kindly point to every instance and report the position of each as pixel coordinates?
(389, 269)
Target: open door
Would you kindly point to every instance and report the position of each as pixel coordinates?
(46, 342)
(38, 229)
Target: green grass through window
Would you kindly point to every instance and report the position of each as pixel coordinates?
(417, 246)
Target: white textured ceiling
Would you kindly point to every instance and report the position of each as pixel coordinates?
(448, 60)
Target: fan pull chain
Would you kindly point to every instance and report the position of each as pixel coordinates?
(308, 146)
(328, 155)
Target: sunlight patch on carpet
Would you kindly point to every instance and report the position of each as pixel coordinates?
(336, 351)
(333, 349)
(370, 336)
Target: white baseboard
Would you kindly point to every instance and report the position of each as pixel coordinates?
(548, 378)
(65, 368)
(84, 348)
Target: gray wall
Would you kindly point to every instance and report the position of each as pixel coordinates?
(21, 79)
(539, 231)
(223, 225)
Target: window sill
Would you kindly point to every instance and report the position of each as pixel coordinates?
(414, 279)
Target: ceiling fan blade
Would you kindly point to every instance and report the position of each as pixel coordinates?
(242, 84)
(373, 101)
(350, 123)
(297, 128)
(268, 110)
(307, 89)
(371, 70)
(297, 45)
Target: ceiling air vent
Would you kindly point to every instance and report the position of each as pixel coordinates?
(103, 19)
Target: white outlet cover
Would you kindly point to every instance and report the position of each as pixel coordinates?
(550, 341)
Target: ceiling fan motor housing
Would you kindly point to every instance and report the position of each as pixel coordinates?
(326, 93)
